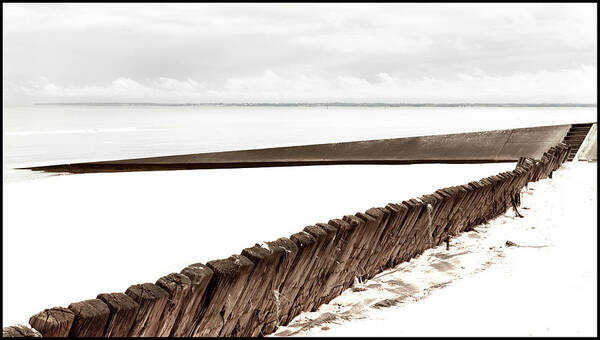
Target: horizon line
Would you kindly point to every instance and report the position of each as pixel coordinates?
(328, 104)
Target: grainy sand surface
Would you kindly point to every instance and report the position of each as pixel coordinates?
(546, 286)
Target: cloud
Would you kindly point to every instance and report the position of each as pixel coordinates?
(570, 85)
(252, 52)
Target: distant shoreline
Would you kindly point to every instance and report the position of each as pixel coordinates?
(335, 104)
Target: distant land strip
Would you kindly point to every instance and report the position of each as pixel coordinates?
(334, 104)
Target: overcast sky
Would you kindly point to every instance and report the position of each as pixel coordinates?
(300, 53)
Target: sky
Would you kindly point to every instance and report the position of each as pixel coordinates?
(393, 53)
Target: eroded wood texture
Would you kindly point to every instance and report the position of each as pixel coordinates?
(178, 286)
(54, 322)
(91, 317)
(152, 301)
(224, 289)
(189, 314)
(270, 315)
(123, 310)
(20, 331)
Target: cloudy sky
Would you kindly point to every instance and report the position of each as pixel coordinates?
(299, 53)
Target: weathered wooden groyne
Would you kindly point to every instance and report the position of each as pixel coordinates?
(268, 284)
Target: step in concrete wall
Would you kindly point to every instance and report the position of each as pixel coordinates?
(589, 149)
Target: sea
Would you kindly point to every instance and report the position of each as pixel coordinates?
(38, 135)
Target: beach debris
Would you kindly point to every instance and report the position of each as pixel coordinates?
(512, 244)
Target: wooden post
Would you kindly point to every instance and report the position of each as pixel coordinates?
(396, 234)
(378, 249)
(345, 240)
(257, 290)
(278, 303)
(329, 257)
(152, 300)
(294, 282)
(178, 286)
(123, 310)
(224, 289)
(373, 230)
(54, 322)
(199, 276)
(20, 331)
(311, 282)
(91, 317)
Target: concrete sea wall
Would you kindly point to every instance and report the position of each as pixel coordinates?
(268, 284)
(473, 147)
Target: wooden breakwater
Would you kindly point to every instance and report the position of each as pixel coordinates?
(268, 284)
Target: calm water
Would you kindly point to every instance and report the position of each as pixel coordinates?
(43, 135)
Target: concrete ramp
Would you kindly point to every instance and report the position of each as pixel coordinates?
(475, 147)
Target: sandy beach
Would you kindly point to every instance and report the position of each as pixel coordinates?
(104, 232)
(200, 169)
(544, 286)
(136, 237)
